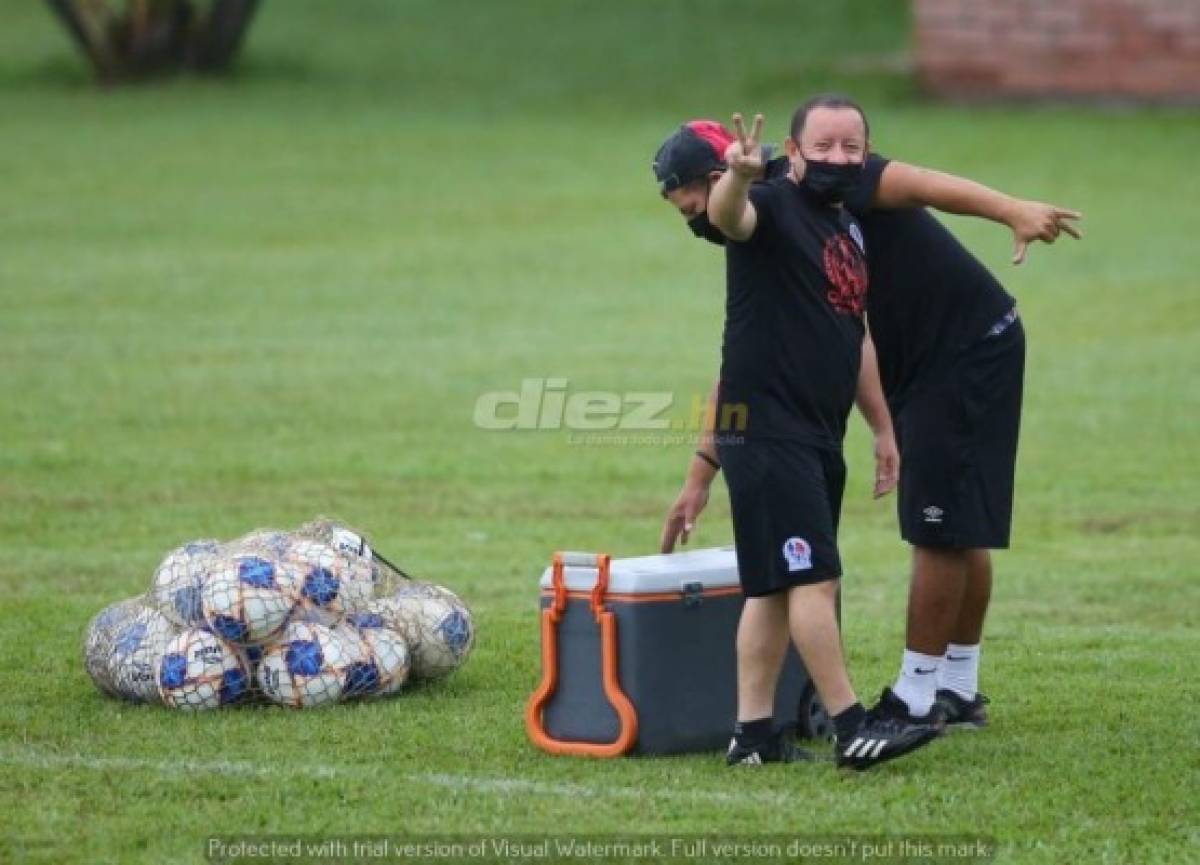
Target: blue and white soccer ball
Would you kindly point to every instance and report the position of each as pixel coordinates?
(307, 667)
(339, 536)
(99, 638)
(122, 646)
(380, 657)
(179, 579)
(268, 543)
(327, 584)
(248, 599)
(200, 671)
(137, 648)
(438, 627)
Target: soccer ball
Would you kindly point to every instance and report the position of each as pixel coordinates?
(339, 536)
(380, 656)
(137, 647)
(327, 584)
(438, 629)
(98, 642)
(247, 600)
(179, 578)
(199, 671)
(306, 668)
(268, 543)
(98, 639)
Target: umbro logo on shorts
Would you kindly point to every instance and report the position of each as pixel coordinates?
(867, 749)
(933, 514)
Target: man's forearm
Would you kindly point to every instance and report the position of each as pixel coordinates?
(909, 186)
(700, 469)
(728, 204)
(872, 404)
(707, 441)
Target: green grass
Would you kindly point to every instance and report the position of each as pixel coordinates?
(233, 304)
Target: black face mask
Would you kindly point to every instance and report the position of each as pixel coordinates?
(830, 182)
(701, 227)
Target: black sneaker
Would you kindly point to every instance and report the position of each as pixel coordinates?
(780, 748)
(960, 713)
(893, 708)
(878, 740)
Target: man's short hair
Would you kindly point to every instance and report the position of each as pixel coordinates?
(825, 100)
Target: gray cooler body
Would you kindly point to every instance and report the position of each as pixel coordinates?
(676, 622)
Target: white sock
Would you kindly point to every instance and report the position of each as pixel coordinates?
(918, 681)
(960, 670)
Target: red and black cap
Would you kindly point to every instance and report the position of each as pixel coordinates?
(690, 153)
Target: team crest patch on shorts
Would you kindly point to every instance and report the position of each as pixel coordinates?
(798, 554)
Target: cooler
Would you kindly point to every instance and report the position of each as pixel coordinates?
(638, 656)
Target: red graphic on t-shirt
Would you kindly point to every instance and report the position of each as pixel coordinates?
(847, 273)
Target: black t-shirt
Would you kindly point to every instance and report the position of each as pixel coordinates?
(793, 320)
(929, 297)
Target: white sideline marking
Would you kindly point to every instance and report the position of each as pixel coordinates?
(34, 759)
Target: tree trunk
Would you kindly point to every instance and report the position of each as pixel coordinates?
(154, 37)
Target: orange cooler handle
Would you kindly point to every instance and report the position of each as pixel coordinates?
(607, 621)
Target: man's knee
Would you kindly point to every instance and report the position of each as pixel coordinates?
(813, 601)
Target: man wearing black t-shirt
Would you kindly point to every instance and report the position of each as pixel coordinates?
(793, 342)
(951, 355)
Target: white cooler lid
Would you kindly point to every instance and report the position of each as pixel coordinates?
(711, 568)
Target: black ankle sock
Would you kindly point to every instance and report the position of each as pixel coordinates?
(752, 733)
(847, 722)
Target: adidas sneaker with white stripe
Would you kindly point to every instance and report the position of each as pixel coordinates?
(780, 748)
(878, 740)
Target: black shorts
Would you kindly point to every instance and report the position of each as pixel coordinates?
(786, 498)
(958, 447)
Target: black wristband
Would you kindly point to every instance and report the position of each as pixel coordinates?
(716, 465)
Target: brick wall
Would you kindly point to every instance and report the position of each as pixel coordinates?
(1091, 49)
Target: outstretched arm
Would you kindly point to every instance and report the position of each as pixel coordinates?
(729, 206)
(903, 185)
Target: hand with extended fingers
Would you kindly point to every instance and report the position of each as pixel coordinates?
(1035, 220)
(745, 156)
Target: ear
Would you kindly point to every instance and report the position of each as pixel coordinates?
(714, 176)
(792, 147)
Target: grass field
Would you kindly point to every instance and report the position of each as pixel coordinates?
(233, 304)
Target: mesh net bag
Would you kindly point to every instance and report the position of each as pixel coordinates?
(304, 618)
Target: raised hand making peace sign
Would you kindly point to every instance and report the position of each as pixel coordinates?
(745, 156)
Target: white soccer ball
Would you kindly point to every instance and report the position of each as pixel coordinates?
(380, 656)
(199, 671)
(306, 668)
(248, 600)
(179, 579)
(137, 648)
(131, 624)
(268, 543)
(337, 535)
(96, 642)
(439, 631)
(328, 584)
